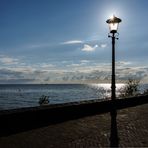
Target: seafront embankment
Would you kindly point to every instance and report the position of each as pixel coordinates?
(19, 120)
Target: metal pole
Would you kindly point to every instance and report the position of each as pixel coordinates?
(114, 142)
(113, 87)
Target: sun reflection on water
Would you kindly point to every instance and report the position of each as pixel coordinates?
(107, 85)
(105, 88)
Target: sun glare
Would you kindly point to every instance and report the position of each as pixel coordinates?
(111, 16)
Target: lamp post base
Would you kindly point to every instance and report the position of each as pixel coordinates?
(114, 140)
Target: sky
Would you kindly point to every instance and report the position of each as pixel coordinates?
(66, 41)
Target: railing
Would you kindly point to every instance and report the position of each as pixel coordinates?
(18, 120)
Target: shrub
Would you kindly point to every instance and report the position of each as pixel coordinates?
(43, 100)
(130, 88)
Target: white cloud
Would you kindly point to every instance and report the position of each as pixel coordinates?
(8, 61)
(72, 42)
(103, 45)
(84, 61)
(122, 63)
(89, 48)
(46, 65)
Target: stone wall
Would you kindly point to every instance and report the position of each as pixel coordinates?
(18, 120)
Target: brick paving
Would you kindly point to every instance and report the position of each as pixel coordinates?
(88, 132)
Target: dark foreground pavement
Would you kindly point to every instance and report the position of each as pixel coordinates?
(88, 132)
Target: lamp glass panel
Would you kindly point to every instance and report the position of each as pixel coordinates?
(113, 26)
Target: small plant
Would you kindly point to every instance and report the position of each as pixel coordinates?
(44, 100)
(130, 89)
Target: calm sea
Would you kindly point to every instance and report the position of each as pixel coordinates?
(18, 96)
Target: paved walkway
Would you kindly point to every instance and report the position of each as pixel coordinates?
(88, 132)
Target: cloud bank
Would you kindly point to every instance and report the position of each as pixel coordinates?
(83, 71)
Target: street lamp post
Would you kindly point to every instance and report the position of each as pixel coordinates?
(113, 26)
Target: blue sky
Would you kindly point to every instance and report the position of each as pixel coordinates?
(66, 41)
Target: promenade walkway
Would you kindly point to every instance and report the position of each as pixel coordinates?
(88, 132)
